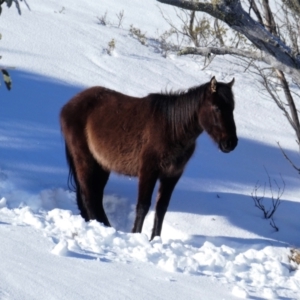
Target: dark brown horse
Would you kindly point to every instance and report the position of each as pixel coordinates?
(151, 137)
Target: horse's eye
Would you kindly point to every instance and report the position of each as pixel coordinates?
(216, 108)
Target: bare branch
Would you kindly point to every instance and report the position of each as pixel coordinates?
(293, 5)
(218, 33)
(288, 159)
(258, 201)
(256, 11)
(275, 201)
(269, 19)
(103, 19)
(272, 92)
(293, 110)
(274, 50)
(120, 17)
(10, 2)
(205, 51)
(272, 223)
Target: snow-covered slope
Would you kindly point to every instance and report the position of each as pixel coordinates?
(215, 243)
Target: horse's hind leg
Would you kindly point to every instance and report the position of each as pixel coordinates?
(91, 178)
(97, 182)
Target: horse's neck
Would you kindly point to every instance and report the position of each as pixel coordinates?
(190, 128)
(186, 134)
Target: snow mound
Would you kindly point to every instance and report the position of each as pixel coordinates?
(266, 267)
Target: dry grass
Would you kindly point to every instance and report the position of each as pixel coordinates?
(137, 33)
(295, 256)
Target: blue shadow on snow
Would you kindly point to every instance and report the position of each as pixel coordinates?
(32, 156)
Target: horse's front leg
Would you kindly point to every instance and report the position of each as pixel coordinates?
(147, 180)
(167, 185)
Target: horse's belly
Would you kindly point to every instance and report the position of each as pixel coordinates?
(126, 165)
(112, 158)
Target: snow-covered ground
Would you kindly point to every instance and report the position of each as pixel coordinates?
(215, 243)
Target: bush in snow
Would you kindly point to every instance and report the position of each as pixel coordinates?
(137, 33)
(111, 47)
(258, 200)
(295, 257)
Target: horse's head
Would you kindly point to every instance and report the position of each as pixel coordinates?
(216, 114)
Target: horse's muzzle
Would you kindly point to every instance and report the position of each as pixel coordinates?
(228, 145)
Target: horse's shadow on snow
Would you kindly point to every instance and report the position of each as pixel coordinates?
(31, 147)
(234, 178)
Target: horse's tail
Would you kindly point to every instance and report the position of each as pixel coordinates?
(73, 183)
(72, 178)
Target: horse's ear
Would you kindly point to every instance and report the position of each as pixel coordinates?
(213, 85)
(231, 82)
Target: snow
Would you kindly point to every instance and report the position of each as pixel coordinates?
(215, 243)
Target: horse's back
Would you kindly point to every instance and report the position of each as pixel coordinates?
(113, 125)
(104, 105)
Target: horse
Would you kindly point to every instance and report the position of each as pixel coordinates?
(151, 138)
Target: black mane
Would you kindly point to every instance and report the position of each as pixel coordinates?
(178, 108)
